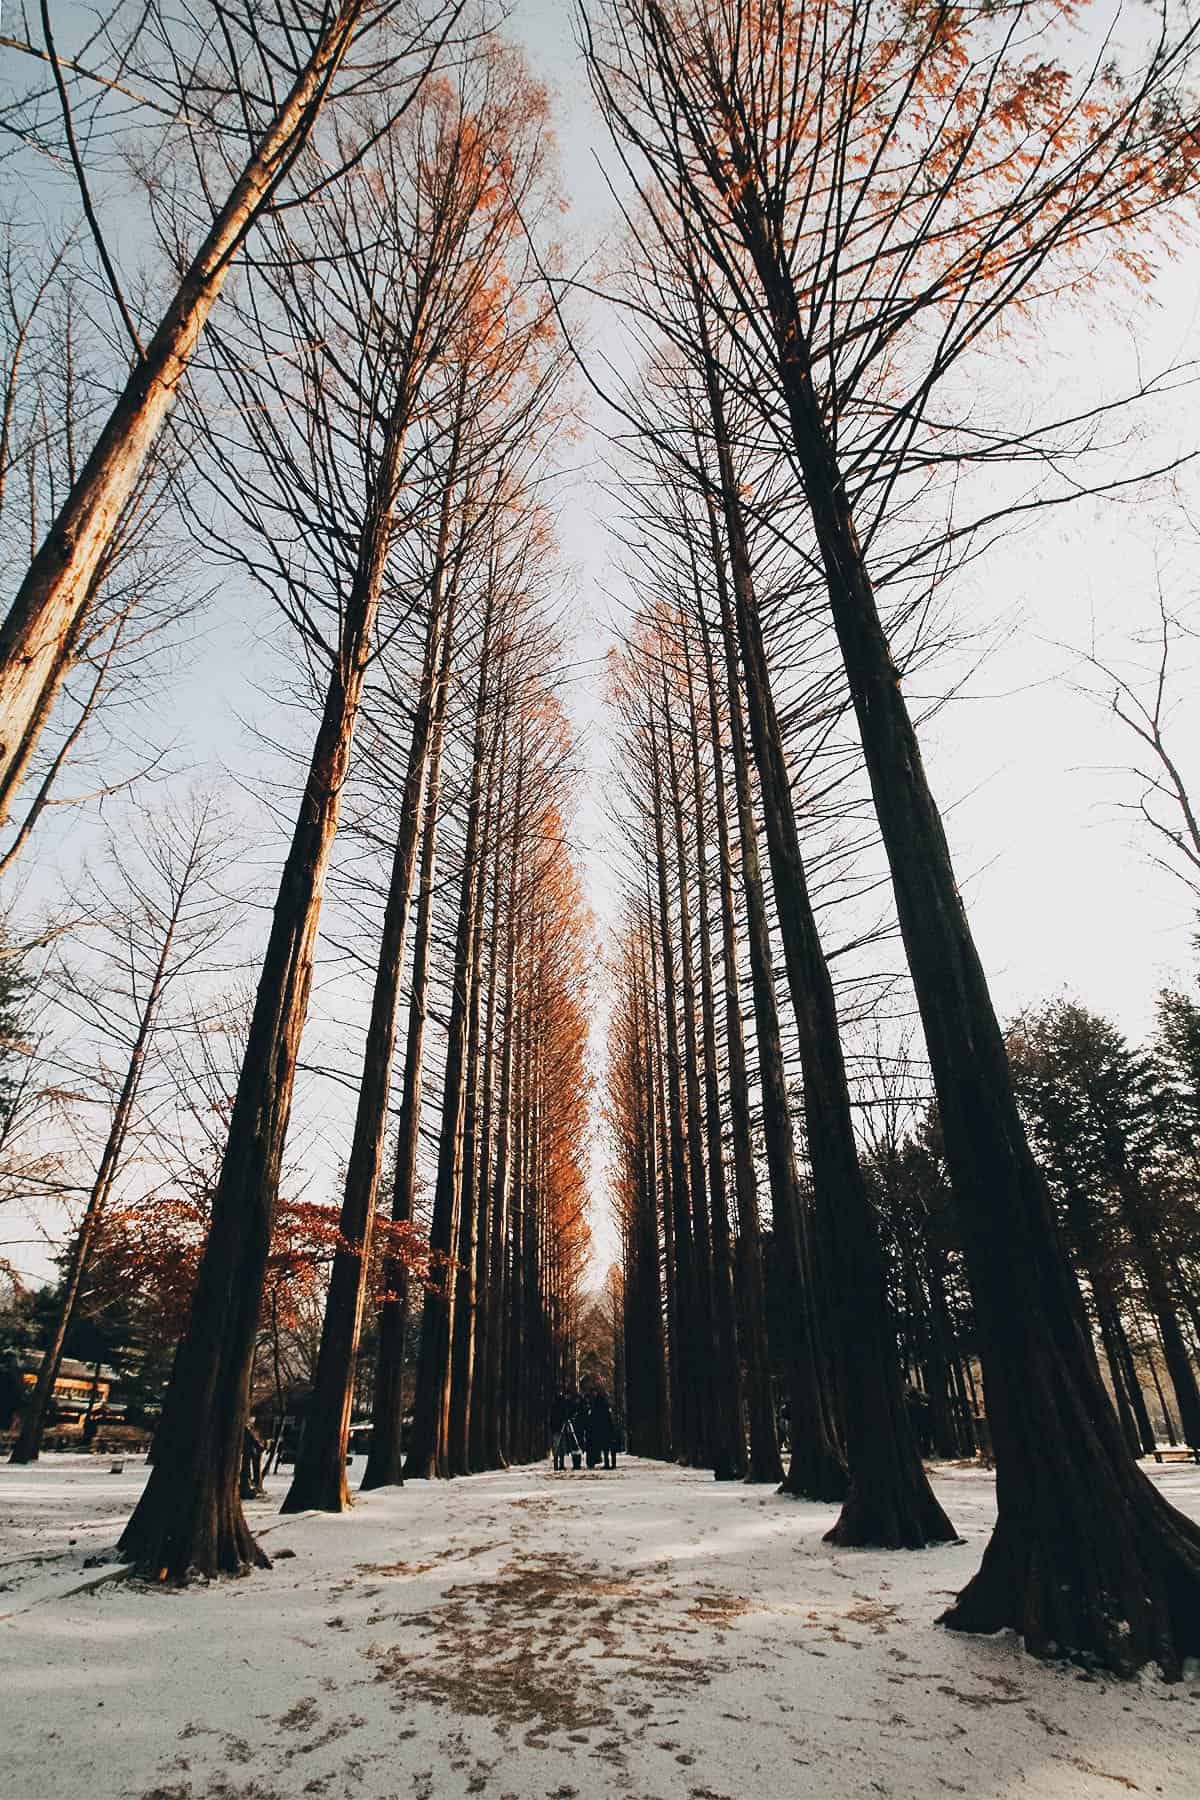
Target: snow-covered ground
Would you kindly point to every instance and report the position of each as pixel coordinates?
(642, 1635)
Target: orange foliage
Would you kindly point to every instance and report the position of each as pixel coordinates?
(912, 155)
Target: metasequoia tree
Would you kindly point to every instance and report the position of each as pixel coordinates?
(527, 1310)
(817, 1466)
(889, 1500)
(879, 189)
(727, 1448)
(476, 172)
(630, 1113)
(511, 656)
(240, 88)
(764, 1462)
(507, 1236)
(339, 345)
(169, 917)
(487, 559)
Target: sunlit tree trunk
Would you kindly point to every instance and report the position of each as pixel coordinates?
(50, 600)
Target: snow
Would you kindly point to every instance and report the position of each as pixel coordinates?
(647, 1634)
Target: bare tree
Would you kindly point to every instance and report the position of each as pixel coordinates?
(1147, 703)
(154, 917)
(858, 255)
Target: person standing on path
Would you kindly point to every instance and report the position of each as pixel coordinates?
(601, 1437)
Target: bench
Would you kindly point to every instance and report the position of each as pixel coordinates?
(1178, 1454)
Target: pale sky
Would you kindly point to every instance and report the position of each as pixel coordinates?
(1060, 889)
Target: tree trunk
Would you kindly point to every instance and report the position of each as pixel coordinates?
(189, 1518)
(684, 1429)
(664, 1202)
(1105, 1319)
(726, 1436)
(495, 1360)
(816, 1469)
(890, 1502)
(477, 1454)
(470, 1226)
(647, 1366)
(18, 765)
(1133, 1386)
(385, 1459)
(765, 1462)
(427, 1451)
(1087, 1559)
(49, 601)
(319, 1481)
(1162, 1301)
(703, 1309)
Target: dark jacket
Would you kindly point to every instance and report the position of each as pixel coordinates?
(600, 1433)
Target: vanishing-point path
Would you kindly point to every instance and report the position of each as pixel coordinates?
(642, 1635)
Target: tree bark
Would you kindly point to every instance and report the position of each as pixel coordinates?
(427, 1453)
(470, 1226)
(663, 1186)
(495, 1360)
(702, 1300)
(683, 1432)
(477, 1452)
(1158, 1292)
(727, 1439)
(816, 1469)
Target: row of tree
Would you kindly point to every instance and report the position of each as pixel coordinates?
(836, 210)
(359, 432)
(836, 213)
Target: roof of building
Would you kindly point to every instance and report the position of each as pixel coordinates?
(70, 1368)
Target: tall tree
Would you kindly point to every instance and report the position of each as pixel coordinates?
(467, 278)
(189, 1517)
(844, 170)
(214, 75)
(169, 916)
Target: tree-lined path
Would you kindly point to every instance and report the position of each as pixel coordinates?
(523, 539)
(641, 1635)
